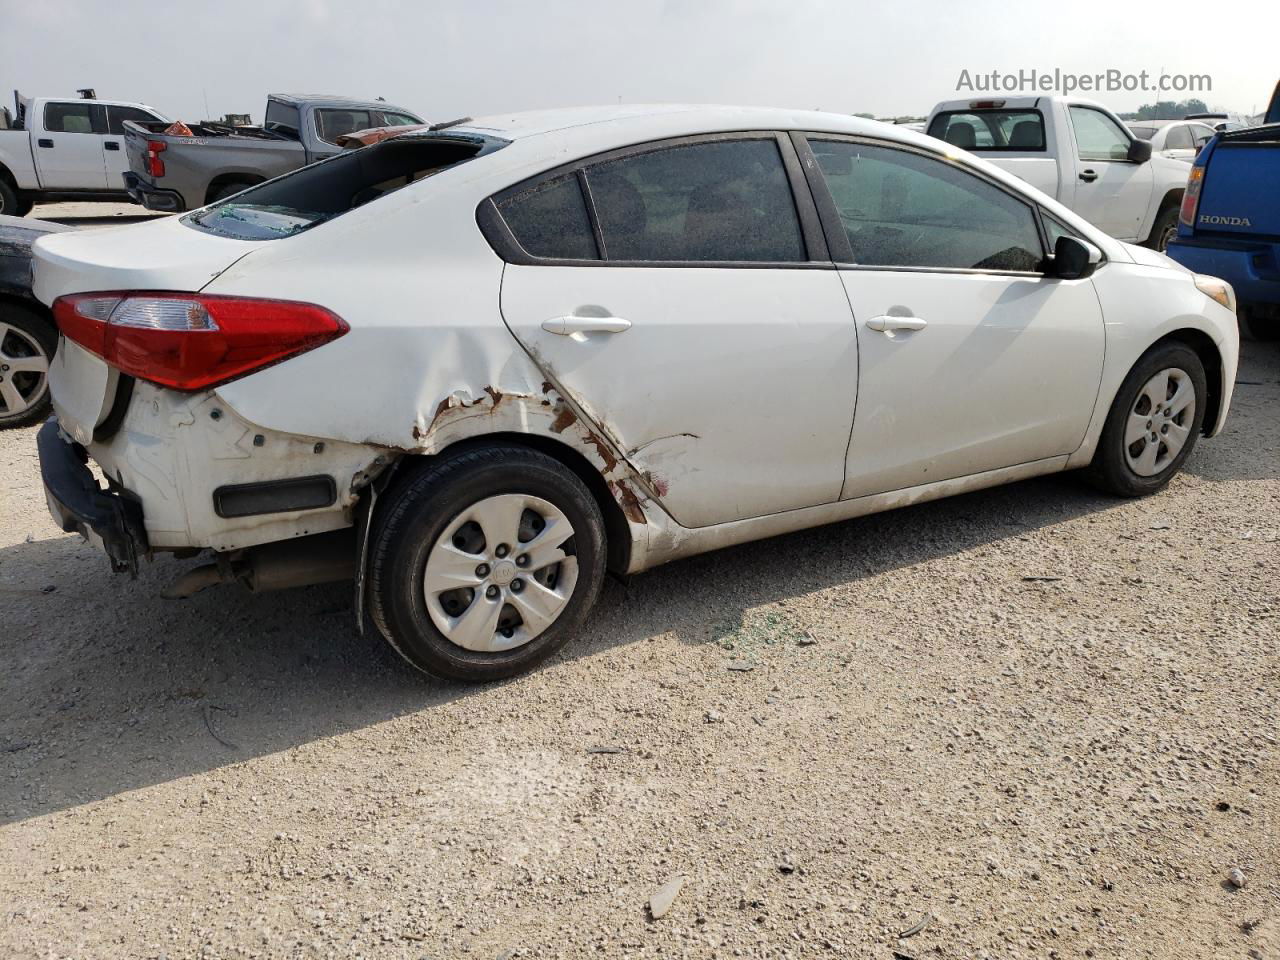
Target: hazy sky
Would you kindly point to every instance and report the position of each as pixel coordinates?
(470, 58)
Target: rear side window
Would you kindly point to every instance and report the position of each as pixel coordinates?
(68, 117)
(550, 220)
(116, 116)
(1178, 138)
(1098, 137)
(721, 201)
(332, 124)
(902, 209)
(1009, 130)
(312, 195)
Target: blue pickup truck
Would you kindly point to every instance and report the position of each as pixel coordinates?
(1229, 224)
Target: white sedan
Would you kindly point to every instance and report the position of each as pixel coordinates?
(473, 368)
(1176, 139)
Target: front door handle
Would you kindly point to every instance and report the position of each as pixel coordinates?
(1088, 176)
(889, 324)
(111, 145)
(566, 326)
(45, 142)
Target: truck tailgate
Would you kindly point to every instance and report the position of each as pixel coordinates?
(1239, 196)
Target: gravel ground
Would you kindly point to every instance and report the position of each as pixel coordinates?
(1063, 767)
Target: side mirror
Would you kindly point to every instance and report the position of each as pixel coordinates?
(1074, 259)
(1139, 151)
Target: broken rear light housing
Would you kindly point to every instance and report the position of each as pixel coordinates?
(190, 341)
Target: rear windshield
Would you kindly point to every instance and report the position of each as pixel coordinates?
(1142, 133)
(300, 200)
(1012, 130)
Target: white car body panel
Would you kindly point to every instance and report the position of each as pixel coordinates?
(428, 361)
(1006, 372)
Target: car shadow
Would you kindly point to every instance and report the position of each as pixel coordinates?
(109, 688)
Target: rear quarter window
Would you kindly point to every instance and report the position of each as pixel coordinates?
(550, 220)
(324, 191)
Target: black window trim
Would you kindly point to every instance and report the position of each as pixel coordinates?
(1044, 130)
(838, 240)
(505, 244)
(1076, 143)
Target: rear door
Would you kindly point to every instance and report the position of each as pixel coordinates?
(1111, 191)
(68, 150)
(115, 159)
(970, 358)
(681, 293)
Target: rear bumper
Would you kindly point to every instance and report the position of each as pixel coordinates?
(1252, 269)
(153, 197)
(110, 519)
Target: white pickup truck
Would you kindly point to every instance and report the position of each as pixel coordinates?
(64, 149)
(1079, 153)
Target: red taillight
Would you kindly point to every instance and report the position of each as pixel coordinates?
(155, 166)
(1191, 197)
(190, 341)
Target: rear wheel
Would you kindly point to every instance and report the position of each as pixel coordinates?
(1153, 424)
(13, 202)
(1164, 229)
(1256, 325)
(228, 190)
(485, 563)
(27, 342)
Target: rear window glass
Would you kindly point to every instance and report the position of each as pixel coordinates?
(550, 220)
(313, 195)
(1012, 130)
(1142, 133)
(724, 201)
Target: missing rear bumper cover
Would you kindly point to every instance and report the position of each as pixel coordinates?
(275, 496)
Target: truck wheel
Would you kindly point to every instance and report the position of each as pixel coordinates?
(228, 190)
(1163, 230)
(27, 342)
(11, 201)
(483, 564)
(1153, 424)
(1254, 327)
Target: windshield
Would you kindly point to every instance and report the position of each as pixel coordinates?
(312, 195)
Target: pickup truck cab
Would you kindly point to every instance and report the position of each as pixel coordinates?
(1230, 221)
(64, 149)
(180, 172)
(1078, 152)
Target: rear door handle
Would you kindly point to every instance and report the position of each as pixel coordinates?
(1088, 176)
(889, 324)
(565, 326)
(45, 142)
(111, 145)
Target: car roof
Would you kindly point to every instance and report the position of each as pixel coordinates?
(632, 122)
(296, 99)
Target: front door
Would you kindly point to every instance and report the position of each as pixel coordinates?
(970, 358)
(680, 308)
(1111, 191)
(69, 150)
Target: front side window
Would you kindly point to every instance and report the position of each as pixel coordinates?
(550, 220)
(1008, 130)
(332, 124)
(384, 119)
(116, 116)
(902, 209)
(68, 117)
(1098, 137)
(719, 201)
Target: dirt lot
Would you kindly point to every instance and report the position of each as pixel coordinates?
(1061, 767)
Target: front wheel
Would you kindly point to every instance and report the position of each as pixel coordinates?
(1153, 423)
(483, 564)
(1163, 230)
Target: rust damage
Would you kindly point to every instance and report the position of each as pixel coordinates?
(564, 420)
(627, 499)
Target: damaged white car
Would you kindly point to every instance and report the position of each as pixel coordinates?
(473, 368)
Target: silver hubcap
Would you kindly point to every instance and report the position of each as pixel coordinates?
(24, 371)
(499, 574)
(1159, 422)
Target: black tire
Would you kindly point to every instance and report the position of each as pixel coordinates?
(1163, 230)
(1254, 327)
(9, 202)
(1110, 470)
(35, 333)
(417, 513)
(228, 190)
